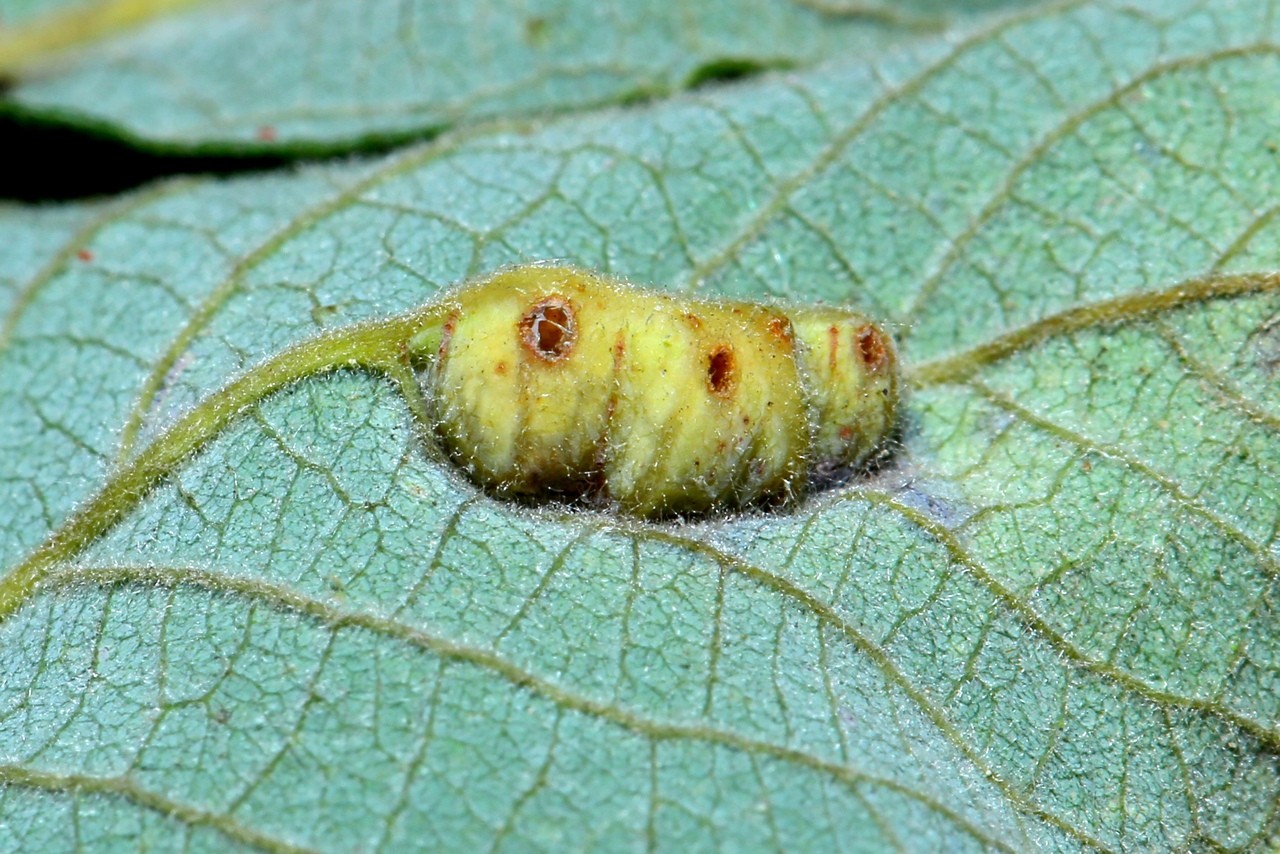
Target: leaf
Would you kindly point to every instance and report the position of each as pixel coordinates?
(333, 75)
(276, 620)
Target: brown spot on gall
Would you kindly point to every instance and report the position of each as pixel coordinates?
(500, 369)
(871, 347)
(833, 346)
(549, 328)
(780, 328)
(722, 371)
(619, 352)
(846, 433)
(446, 335)
(694, 320)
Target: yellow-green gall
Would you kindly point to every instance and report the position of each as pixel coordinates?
(555, 382)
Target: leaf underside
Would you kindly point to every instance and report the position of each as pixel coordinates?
(1047, 623)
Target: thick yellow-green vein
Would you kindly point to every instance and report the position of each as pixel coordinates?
(283, 598)
(960, 366)
(379, 346)
(129, 790)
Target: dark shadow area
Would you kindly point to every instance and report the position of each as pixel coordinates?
(730, 70)
(52, 163)
(49, 161)
(49, 158)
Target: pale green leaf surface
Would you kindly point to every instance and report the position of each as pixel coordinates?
(911, 11)
(332, 73)
(16, 12)
(1046, 624)
(33, 239)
